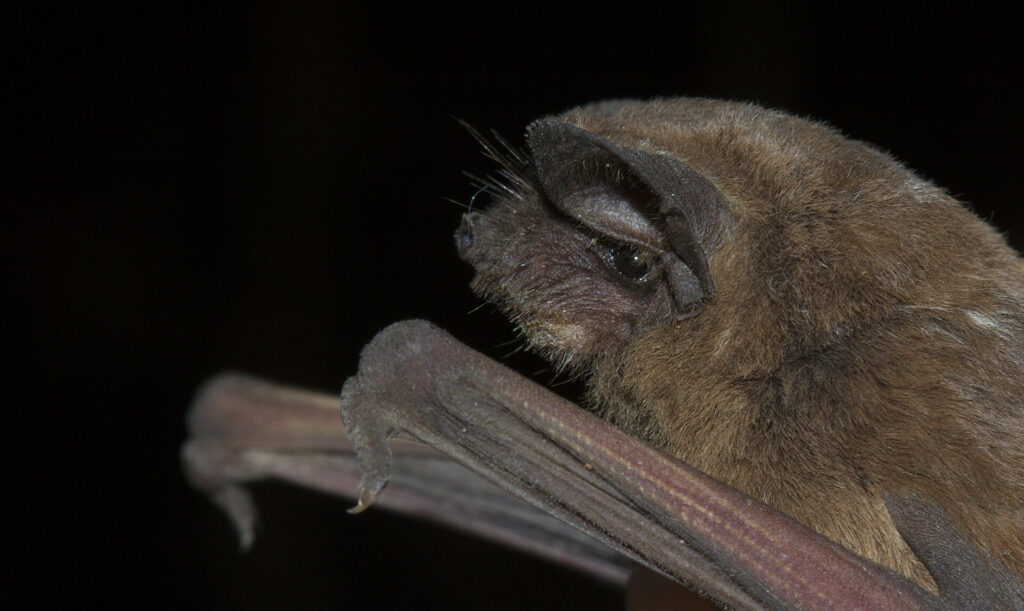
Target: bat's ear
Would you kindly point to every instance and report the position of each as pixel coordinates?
(651, 201)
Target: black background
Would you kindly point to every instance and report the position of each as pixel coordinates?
(263, 187)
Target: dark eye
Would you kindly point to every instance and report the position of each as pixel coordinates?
(629, 262)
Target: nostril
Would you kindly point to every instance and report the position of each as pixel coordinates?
(464, 236)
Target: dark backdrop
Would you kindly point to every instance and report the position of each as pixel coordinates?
(263, 187)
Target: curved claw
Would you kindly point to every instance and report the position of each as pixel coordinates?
(369, 436)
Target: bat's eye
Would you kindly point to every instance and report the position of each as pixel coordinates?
(629, 262)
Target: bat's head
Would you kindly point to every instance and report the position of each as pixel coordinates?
(594, 242)
(685, 252)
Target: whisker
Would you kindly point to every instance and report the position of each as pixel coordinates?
(508, 343)
(516, 174)
(473, 199)
(459, 204)
(517, 350)
(477, 308)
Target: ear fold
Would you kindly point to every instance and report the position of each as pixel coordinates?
(642, 198)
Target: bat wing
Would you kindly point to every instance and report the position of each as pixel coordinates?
(418, 383)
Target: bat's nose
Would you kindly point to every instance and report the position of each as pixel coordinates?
(464, 235)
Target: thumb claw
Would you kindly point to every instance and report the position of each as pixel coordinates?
(366, 498)
(369, 435)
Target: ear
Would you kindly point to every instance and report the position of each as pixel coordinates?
(647, 200)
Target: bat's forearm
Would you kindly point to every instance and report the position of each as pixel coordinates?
(415, 379)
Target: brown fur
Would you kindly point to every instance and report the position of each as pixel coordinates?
(866, 332)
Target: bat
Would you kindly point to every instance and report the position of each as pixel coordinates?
(749, 296)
